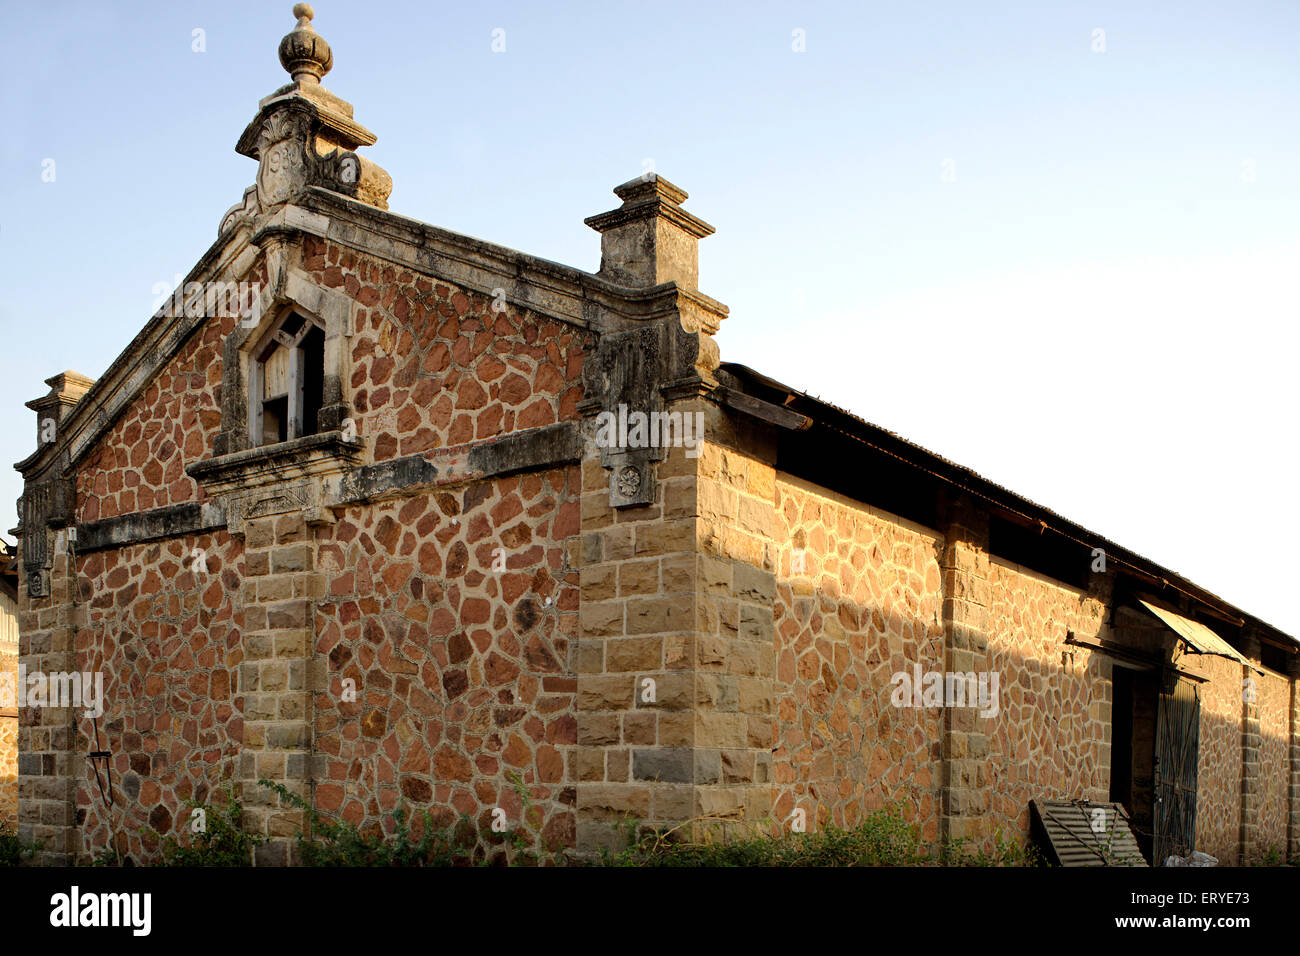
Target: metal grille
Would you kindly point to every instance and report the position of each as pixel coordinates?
(1178, 733)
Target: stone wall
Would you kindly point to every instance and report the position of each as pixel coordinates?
(454, 617)
(140, 463)
(453, 611)
(1274, 694)
(638, 732)
(1051, 736)
(434, 366)
(1218, 787)
(857, 601)
(164, 625)
(9, 749)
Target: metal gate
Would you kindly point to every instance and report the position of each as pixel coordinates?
(1178, 732)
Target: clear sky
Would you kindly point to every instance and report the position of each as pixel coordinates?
(1064, 258)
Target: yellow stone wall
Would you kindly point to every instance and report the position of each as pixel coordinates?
(1047, 739)
(9, 748)
(861, 605)
(1218, 785)
(1274, 696)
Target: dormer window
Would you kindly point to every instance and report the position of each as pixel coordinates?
(286, 381)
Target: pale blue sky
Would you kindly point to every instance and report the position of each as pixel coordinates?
(1099, 312)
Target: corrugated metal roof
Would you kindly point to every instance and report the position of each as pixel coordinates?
(959, 474)
(1201, 638)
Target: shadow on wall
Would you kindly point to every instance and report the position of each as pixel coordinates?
(8, 743)
(9, 767)
(842, 747)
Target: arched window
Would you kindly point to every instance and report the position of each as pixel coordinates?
(286, 381)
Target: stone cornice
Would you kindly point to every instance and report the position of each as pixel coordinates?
(154, 525)
(307, 457)
(548, 288)
(346, 130)
(692, 224)
(163, 335)
(535, 449)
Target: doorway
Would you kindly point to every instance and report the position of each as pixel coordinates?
(1134, 714)
(1178, 733)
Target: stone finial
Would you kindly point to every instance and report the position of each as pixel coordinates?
(304, 136)
(66, 390)
(650, 239)
(303, 52)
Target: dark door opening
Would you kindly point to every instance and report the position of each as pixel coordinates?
(1132, 750)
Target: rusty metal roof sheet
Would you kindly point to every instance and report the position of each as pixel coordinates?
(1080, 833)
(1195, 634)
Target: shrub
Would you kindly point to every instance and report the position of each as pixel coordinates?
(12, 850)
(338, 843)
(222, 842)
(884, 838)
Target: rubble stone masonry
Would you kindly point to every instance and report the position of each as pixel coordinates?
(1218, 785)
(448, 593)
(858, 600)
(1031, 754)
(9, 749)
(1274, 692)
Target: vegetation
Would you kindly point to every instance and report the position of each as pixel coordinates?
(12, 850)
(222, 840)
(884, 838)
(338, 843)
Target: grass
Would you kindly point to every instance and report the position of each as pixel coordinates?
(884, 838)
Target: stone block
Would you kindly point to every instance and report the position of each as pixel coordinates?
(633, 654)
(599, 692)
(664, 764)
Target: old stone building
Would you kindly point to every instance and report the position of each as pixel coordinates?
(8, 666)
(391, 515)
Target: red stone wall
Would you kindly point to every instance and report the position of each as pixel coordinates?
(434, 366)
(165, 632)
(464, 673)
(140, 462)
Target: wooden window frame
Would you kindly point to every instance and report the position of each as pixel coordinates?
(275, 338)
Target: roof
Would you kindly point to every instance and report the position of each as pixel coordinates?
(1196, 635)
(889, 443)
(9, 569)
